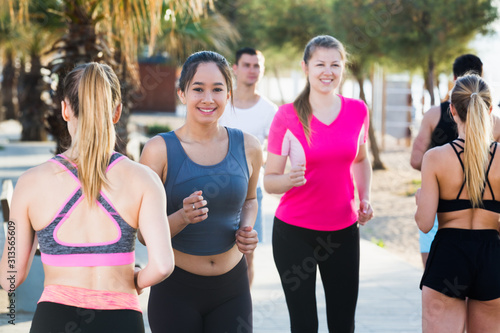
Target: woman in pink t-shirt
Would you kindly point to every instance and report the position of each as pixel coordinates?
(324, 136)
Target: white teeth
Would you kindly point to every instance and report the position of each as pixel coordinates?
(206, 110)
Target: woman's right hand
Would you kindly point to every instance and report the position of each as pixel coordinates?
(296, 176)
(193, 208)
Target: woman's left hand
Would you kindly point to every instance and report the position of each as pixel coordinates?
(365, 212)
(417, 196)
(246, 239)
(136, 274)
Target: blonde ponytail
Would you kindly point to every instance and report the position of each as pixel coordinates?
(98, 94)
(472, 100)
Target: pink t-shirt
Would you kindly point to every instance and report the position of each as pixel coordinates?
(326, 201)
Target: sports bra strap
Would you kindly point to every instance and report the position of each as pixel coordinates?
(455, 145)
(71, 167)
(492, 153)
(67, 164)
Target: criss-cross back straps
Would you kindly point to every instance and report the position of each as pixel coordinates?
(456, 146)
(492, 155)
(72, 169)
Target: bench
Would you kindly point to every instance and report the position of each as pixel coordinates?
(6, 197)
(29, 292)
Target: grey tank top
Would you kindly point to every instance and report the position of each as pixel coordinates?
(224, 187)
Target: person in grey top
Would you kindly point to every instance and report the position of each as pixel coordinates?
(210, 175)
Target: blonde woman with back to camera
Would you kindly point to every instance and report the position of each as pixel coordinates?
(461, 182)
(84, 207)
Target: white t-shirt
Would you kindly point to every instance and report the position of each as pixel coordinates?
(255, 120)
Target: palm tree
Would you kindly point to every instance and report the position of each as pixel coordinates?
(105, 31)
(31, 85)
(8, 36)
(8, 82)
(181, 34)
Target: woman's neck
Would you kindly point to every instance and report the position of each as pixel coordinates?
(194, 132)
(320, 102)
(461, 131)
(71, 153)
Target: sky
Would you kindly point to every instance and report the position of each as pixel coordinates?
(488, 49)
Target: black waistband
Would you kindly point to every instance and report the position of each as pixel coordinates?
(468, 234)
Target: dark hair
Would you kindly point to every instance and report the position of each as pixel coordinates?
(191, 66)
(467, 63)
(471, 99)
(301, 103)
(93, 92)
(245, 50)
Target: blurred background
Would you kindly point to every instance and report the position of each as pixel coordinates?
(400, 62)
(401, 53)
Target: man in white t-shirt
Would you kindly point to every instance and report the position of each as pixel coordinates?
(252, 113)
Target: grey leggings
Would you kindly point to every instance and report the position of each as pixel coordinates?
(298, 252)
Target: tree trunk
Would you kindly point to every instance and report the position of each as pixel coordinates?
(377, 162)
(77, 47)
(8, 84)
(2, 115)
(127, 90)
(429, 79)
(32, 108)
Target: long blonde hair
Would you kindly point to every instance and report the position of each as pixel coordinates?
(301, 103)
(471, 99)
(93, 92)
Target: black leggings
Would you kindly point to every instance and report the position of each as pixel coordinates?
(297, 254)
(190, 303)
(53, 317)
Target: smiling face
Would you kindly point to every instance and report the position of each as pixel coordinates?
(206, 95)
(324, 70)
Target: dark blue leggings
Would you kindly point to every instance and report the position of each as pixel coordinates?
(190, 303)
(297, 254)
(53, 317)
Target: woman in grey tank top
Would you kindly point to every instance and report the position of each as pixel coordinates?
(210, 176)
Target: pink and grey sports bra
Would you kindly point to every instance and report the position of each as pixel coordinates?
(461, 204)
(56, 252)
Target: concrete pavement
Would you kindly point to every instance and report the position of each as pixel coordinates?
(389, 298)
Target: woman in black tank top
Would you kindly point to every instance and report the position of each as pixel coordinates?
(460, 181)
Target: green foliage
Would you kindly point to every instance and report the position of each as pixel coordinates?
(154, 129)
(183, 34)
(429, 35)
(403, 35)
(378, 242)
(280, 29)
(412, 187)
(416, 182)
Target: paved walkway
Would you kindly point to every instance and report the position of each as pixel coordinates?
(389, 298)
